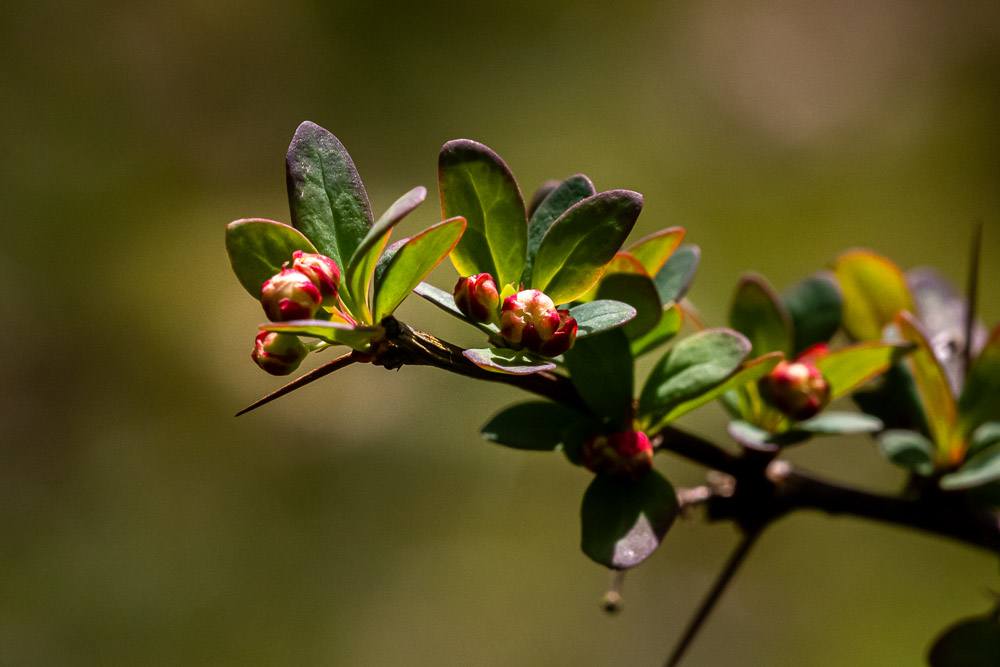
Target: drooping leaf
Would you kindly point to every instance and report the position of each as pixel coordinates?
(908, 449)
(674, 280)
(847, 369)
(338, 333)
(327, 199)
(972, 642)
(932, 386)
(362, 264)
(833, 422)
(637, 290)
(757, 438)
(557, 201)
(814, 305)
(981, 468)
(514, 362)
(874, 290)
(980, 399)
(654, 250)
(601, 368)
(412, 261)
(536, 425)
(623, 522)
(597, 316)
(691, 367)
(477, 185)
(257, 248)
(573, 253)
(758, 314)
(668, 326)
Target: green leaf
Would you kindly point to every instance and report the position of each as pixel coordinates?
(412, 261)
(327, 199)
(691, 367)
(601, 369)
(847, 369)
(654, 250)
(980, 400)
(623, 522)
(637, 290)
(541, 193)
(578, 245)
(758, 314)
(362, 264)
(838, 423)
(668, 326)
(477, 185)
(338, 333)
(749, 373)
(536, 426)
(814, 305)
(597, 316)
(972, 642)
(981, 468)
(502, 360)
(443, 300)
(874, 290)
(571, 191)
(984, 436)
(757, 438)
(257, 248)
(893, 398)
(674, 280)
(908, 449)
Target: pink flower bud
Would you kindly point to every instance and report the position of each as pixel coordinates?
(321, 270)
(290, 295)
(628, 454)
(530, 319)
(276, 353)
(798, 388)
(477, 297)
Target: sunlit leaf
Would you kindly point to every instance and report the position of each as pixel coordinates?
(443, 300)
(338, 333)
(601, 368)
(623, 522)
(847, 369)
(560, 198)
(477, 185)
(908, 449)
(758, 314)
(514, 362)
(327, 199)
(814, 305)
(597, 316)
(674, 280)
(257, 248)
(654, 250)
(874, 290)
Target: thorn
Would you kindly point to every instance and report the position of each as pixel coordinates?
(311, 376)
(612, 601)
(971, 295)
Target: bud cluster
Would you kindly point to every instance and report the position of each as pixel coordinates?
(628, 454)
(530, 319)
(798, 388)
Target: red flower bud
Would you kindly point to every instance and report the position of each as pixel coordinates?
(798, 388)
(321, 270)
(290, 295)
(628, 454)
(477, 297)
(278, 354)
(530, 319)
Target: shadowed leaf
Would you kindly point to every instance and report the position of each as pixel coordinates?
(972, 642)
(980, 399)
(637, 290)
(814, 305)
(537, 426)
(668, 326)
(601, 368)
(560, 198)
(908, 449)
(758, 314)
(674, 280)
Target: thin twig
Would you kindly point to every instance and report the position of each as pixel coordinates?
(297, 383)
(708, 604)
(972, 295)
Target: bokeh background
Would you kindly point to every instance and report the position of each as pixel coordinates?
(361, 520)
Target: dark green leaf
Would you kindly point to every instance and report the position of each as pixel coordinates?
(972, 642)
(981, 468)
(668, 326)
(327, 199)
(837, 423)
(908, 449)
(514, 362)
(578, 245)
(537, 425)
(893, 398)
(984, 436)
(597, 316)
(623, 522)
(980, 400)
(637, 290)
(257, 248)
(539, 196)
(477, 185)
(814, 305)
(571, 191)
(758, 314)
(674, 280)
(601, 368)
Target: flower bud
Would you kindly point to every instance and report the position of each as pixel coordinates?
(290, 295)
(321, 270)
(530, 319)
(628, 454)
(798, 388)
(277, 353)
(477, 297)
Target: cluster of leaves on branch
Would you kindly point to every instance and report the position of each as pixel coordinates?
(566, 305)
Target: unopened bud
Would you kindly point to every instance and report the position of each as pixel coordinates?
(628, 454)
(321, 270)
(530, 319)
(798, 388)
(477, 297)
(277, 353)
(290, 295)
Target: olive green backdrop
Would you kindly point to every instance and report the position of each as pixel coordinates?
(361, 520)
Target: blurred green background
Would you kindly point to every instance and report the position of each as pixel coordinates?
(361, 520)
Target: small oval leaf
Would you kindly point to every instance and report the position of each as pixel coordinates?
(602, 315)
(514, 362)
(874, 291)
(814, 305)
(560, 198)
(908, 449)
(257, 248)
(674, 280)
(758, 314)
